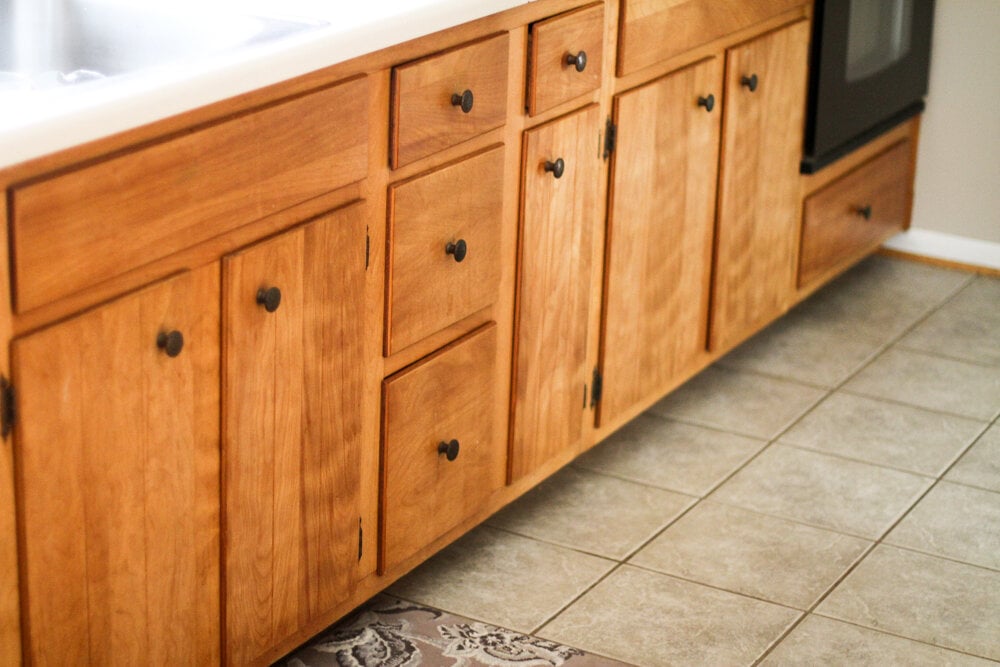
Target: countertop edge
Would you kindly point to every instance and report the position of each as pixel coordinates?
(54, 122)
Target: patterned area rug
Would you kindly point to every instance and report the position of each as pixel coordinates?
(388, 632)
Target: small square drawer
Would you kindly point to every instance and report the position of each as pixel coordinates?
(441, 456)
(853, 215)
(565, 57)
(448, 98)
(92, 223)
(444, 247)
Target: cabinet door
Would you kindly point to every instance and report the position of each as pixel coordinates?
(659, 234)
(561, 179)
(293, 436)
(118, 480)
(756, 243)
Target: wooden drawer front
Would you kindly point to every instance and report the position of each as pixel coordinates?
(77, 229)
(553, 80)
(425, 116)
(654, 30)
(838, 226)
(449, 396)
(427, 288)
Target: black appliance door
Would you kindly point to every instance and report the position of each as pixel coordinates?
(871, 60)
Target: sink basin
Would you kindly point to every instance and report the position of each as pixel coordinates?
(54, 43)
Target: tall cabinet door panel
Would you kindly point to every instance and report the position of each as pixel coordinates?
(293, 380)
(660, 226)
(117, 461)
(755, 259)
(561, 178)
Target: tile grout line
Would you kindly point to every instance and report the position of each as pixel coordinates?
(864, 555)
(899, 636)
(698, 499)
(828, 391)
(682, 514)
(867, 552)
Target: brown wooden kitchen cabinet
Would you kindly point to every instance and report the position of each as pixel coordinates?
(447, 98)
(441, 456)
(293, 429)
(443, 260)
(438, 258)
(853, 215)
(117, 462)
(655, 30)
(561, 164)
(660, 226)
(756, 233)
(564, 57)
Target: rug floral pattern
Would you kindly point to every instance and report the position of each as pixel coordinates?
(393, 633)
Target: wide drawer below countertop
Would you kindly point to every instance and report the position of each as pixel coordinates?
(80, 227)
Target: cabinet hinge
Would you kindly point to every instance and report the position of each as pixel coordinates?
(8, 407)
(610, 138)
(596, 388)
(361, 539)
(368, 248)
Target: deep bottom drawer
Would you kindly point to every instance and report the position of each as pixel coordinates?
(441, 459)
(853, 215)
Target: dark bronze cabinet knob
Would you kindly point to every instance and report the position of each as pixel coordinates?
(557, 168)
(171, 342)
(449, 449)
(579, 61)
(464, 100)
(457, 249)
(270, 298)
(865, 211)
(749, 82)
(707, 102)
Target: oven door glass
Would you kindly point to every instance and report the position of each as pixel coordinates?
(869, 70)
(878, 36)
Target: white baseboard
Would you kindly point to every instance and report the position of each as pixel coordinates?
(950, 247)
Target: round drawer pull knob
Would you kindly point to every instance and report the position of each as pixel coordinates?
(579, 61)
(707, 102)
(270, 298)
(557, 168)
(749, 82)
(865, 211)
(458, 249)
(171, 342)
(465, 100)
(449, 449)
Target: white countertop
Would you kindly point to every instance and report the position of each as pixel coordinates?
(39, 122)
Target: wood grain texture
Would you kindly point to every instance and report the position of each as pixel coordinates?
(92, 223)
(427, 289)
(10, 602)
(834, 231)
(293, 435)
(423, 118)
(655, 30)
(558, 220)
(659, 252)
(118, 476)
(551, 81)
(757, 223)
(448, 396)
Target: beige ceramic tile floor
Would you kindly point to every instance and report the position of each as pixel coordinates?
(826, 494)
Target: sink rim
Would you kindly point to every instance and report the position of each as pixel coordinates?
(104, 40)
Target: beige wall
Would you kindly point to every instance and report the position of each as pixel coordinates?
(958, 167)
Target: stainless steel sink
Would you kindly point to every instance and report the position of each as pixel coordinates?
(49, 43)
